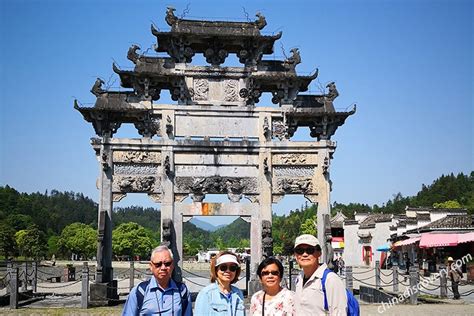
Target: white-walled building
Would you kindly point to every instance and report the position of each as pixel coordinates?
(367, 232)
(361, 239)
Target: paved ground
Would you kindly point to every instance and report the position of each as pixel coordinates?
(366, 310)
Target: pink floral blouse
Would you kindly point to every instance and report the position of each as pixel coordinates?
(283, 304)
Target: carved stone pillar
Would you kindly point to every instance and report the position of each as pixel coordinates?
(104, 271)
(170, 222)
(105, 288)
(255, 250)
(322, 182)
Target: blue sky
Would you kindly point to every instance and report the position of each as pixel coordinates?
(408, 65)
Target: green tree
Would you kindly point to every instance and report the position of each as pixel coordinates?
(447, 204)
(132, 239)
(7, 240)
(191, 247)
(19, 221)
(277, 249)
(244, 243)
(309, 226)
(31, 242)
(80, 239)
(53, 245)
(220, 243)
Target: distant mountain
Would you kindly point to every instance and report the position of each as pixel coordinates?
(204, 225)
(238, 229)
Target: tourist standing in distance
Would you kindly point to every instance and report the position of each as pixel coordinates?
(455, 274)
(309, 296)
(273, 300)
(221, 297)
(160, 295)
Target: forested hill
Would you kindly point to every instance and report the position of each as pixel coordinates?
(51, 212)
(237, 230)
(450, 191)
(147, 217)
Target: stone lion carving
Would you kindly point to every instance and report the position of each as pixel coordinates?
(261, 21)
(332, 93)
(267, 240)
(97, 87)
(170, 17)
(166, 234)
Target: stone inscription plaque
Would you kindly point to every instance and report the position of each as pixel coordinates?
(294, 159)
(215, 126)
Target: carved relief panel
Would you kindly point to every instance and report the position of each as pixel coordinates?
(231, 90)
(137, 156)
(198, 187)
(216, 91)
(292, 186)
(136, 184)
(201, 90)
(293, 173)
(136, 171)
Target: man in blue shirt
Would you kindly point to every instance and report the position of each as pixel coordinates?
(161, 295)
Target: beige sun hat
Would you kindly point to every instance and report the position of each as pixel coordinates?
(306, 239)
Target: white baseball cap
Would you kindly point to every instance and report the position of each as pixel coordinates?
(306, 239)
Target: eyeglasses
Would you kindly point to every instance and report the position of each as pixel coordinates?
(224, 267)
(265, 273)
(159, 264)
(308, 250)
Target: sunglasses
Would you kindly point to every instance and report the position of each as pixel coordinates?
(308, 250)
(265, 273)
(224, 267)
(159, 264)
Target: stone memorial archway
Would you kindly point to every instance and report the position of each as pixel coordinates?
(215, 140)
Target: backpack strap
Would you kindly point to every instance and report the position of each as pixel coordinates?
(323, 283)
(183, 294)
(141, 288)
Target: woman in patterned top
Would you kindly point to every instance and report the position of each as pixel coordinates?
(273, 300)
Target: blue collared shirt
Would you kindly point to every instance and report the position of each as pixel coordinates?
(211, 301)
(157, 301)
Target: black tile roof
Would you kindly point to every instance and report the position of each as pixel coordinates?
(423, 217)
(451, 222)
(370, 220)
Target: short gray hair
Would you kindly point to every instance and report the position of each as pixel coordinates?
(162, 248)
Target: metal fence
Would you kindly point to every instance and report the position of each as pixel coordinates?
(30, 281)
